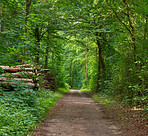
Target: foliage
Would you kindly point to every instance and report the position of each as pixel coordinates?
(103, 98)
(99, 45)
(20, 110)
(62, 90)
(86, 90)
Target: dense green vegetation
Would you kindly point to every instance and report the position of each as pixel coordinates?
(98, 45)
(21, 110)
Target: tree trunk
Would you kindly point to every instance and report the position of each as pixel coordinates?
(130, 28)
(46, 56)
(145, 30)
(28, 4)
(101, 64)
(132, 34)
(37, 36)
(0, 21)
(70, 74)
(86, 65)
(47, 53)
(52, 59)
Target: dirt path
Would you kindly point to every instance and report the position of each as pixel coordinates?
(77, 115)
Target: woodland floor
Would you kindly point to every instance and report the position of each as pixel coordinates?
(76, 114)
(133, 122)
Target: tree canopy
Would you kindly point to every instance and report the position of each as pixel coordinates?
(100, 45)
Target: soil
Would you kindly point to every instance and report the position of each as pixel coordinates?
(133, 122)
(76, 114)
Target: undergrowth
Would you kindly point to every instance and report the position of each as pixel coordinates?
(86, 90)
(103, 98)
(63, 90)
(21, 110)
(130, 118)
(106, 96)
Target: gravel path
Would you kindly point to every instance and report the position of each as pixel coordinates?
(77, 115)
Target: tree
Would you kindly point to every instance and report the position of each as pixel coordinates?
(98, 44)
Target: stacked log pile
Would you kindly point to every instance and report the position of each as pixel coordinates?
(28, 74)
(13, 76)
(48, 80)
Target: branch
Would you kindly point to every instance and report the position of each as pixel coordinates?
(121, 16)
(43, 34)
(104, 38)
(130, 22)
(124, 1)
(145, 30)
(122, 22)
(29, 4)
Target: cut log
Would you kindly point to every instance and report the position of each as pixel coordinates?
(17, 79)
(8, 83)
(27, 69)
(25, 65)
(24, 79)
(11, 70)
(14, 70)
(12, 74)
(45, 70)
(26, 74)
(4, 67)
(19, 66)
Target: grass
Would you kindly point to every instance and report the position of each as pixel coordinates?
(103, 99)
(21, 110)
(86, 90)
(62, 90)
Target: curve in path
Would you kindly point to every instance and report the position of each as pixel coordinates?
(77, 115)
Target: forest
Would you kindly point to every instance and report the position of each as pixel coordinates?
(95, 45)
